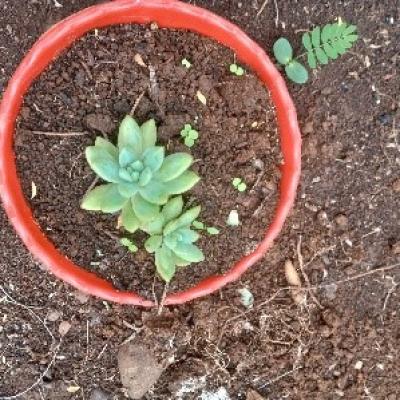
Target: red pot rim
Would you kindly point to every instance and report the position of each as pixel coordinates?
(168, 14)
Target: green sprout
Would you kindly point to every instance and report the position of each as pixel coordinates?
(186, 63)
(129, 245)
(236, 70)
(200, 226)
(239, 184)
(172, 239)
(321, 45)
(140, 177)
(189, 135)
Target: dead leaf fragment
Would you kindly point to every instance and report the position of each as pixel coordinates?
(293, 279)
(73, 389)
(139, 60)
(201, 97)
(253, 395)
(34, 190)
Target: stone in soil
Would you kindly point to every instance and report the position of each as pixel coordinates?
(138, 368)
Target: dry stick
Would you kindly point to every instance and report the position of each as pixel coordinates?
(305, 276)
(59, 133)
(277, 13)
(92, 185)
(29, 309)
(164, 295)
(262, 8)
(39, 380)
(137, 103)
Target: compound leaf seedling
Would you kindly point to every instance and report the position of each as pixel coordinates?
(236, 70)
(189, 135)
(321, 45)
(239, 184)
(140, 178)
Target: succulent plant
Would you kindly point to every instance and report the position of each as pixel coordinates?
(140, 177)
(172, 239)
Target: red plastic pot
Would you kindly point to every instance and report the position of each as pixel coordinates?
(168, 14)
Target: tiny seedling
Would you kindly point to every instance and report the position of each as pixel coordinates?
(239, 184)
(321, 45)
(236, 70)
(186, 63)
(129, 245)
(172, 239)
(189, 135)
(200, 226)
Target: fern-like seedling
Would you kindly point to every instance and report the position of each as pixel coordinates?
(321, 45)
(330, 42)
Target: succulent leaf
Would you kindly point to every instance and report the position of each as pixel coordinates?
(149, 133)
(173, 166)
(106, 145)
(154, 227)
(153, 157)
(188, 236)
(188, 252)
(126, 156)
(183, 183)
(128, 218)
(184, 220)
(105, 198)
(103, 164)
(127, 189)
(144, 210)
(155, 192)
(153, 243)
(165, 264)
(172, 209)
(130, 135)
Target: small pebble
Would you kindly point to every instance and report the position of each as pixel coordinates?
(358, 365)
(258, 164)
(53, 316)
(341, 221)
(396, 185)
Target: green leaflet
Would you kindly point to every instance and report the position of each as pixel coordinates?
(105, 198)
(296, 72)
(283, 51)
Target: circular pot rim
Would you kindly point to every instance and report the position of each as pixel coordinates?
(167, 14)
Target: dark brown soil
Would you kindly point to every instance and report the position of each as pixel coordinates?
(347, 215)
(92, 87)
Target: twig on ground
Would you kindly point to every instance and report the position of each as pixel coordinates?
(271, 381)
(137, 102)
(262, 8)
(305, 276)
(276, 13)
(86, 68)
(92, 185)
(389, 293)
(60, 134)
(164, 295)
(29, 309)
(260, 207)
(257, 182)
